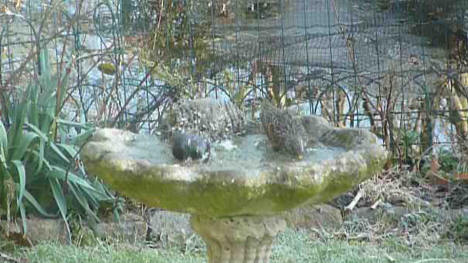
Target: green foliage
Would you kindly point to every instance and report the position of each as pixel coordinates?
(289, 247)
(409, 138)
(37, 156)
(447, 160)
(459, 229)
(412, 222)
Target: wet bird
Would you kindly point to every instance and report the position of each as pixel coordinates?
(283, 129)
(190, 146)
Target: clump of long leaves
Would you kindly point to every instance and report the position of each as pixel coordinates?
(38, 157)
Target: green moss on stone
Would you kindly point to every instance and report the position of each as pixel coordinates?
(229, 193)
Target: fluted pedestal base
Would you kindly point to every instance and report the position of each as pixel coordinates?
(242, 239)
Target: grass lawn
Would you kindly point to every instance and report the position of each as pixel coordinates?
(290, 247)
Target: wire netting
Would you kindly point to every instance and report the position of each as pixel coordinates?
(396, 67)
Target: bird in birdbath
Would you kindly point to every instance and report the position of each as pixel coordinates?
(236, 200)
(284, 130)
(191, 146)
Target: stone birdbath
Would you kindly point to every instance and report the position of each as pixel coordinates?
(236, 198)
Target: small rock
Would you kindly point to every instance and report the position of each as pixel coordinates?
(169, 227)
(397, 212)
(132, 228)
(367, 213)
(394, 213)
(41, 230)
(319, 216)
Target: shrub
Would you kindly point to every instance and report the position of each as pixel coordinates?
(39, 164)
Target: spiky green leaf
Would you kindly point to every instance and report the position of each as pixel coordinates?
(20, 148)
(23, 217)
(55, 149)
(72, 124)
(15, 133)
(82, 138)
(80, 197)
(70, 150)
(30, 198)
(21, 172)
(60, 200)
(60, 173)
(37, 131)
(3, 138)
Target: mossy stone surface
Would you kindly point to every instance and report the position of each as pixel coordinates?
(246, 179)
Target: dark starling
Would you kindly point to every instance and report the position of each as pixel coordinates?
(186, 145)
(283, 129)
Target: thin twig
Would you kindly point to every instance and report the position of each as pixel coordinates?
(376, 204)
(356, 199)
(134, 93)
(8, 258)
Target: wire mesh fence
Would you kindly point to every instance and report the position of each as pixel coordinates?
(396, 67)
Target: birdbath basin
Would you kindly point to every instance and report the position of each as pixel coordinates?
(236, 197)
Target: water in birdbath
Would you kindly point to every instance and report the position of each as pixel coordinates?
(249, 153)
(252, 152)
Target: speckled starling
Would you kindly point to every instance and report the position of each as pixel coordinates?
(283, 129)
(187, 145)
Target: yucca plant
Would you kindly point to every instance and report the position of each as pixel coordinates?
(38, 159)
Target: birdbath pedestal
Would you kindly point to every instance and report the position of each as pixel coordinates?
(235, 198)
(242, 239)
